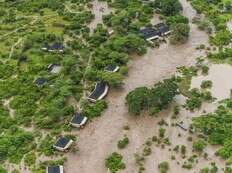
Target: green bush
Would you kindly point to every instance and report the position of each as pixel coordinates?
(204, 170)
(206, 84)
(205, 70)
(161, 132)
(94, 110)
(163, 167)
(45, 146)
(199, 145)
(30, 159)
(123, 142)
(183, 149)
(114, 162)
(2, 170)
(15, 171)
(15, 145)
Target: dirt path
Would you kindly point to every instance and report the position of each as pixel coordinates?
(99, 138)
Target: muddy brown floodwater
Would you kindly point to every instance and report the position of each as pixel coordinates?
(99, 138)
(221, 79)
(99, 9)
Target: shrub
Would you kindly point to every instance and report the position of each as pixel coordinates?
(183, 149)
(204, 170)
(146, 151)
(206, 84)
(193, 103)
(114, 162)
(94, 110)
(163, 167)
(30, 159)
(123, 143)
(161, 132)
(14, 171)
(45, 146)
(2, 170)
(187, 165)
(199, 145)
(205, 70)
(176, 110)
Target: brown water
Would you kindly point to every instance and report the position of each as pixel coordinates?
(99, 138)
(221, 79)
(99, 9)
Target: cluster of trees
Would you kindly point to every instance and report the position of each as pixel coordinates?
(216, 127)
(168, 7)
(40, 107)
(221, 38)
(199, 145)
(180, 33)
(14, 144)
(217, 12)
(47, 107)
(221, 56)
(171, 9)
(196, 97)
(154, 99)
(130, 16)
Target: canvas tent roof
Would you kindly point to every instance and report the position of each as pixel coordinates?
(100, 90)
(149, 32)
(40, 81)
(57, 46)
(54, 169)
(111, 68)
(162, 28)
(62, 142)
(77, 118)
(54, 68)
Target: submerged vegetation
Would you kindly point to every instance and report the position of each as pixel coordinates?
(35, 35)
(115, 162)
(38, 103)
(217, 127)
(27, 30)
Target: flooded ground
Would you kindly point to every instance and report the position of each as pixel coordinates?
(99, 138)
(222, 83)
(99, 9)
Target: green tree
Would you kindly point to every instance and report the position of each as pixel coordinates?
(156, 98)
(168, 7)
(138, 99)
(180, 33)
(221, 38)
(199, 145)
